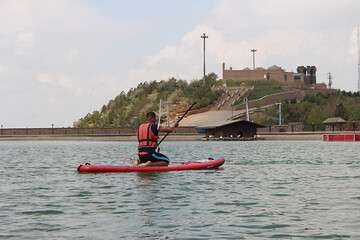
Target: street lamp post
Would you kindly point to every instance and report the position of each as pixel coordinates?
(204, 36)
(253, 52)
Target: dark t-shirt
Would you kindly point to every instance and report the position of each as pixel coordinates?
(154, 128)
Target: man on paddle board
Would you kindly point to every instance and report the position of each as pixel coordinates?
(148, 135)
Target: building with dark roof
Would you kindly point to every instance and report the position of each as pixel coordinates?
(339, 124)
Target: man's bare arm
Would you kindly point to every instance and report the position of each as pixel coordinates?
(168, 129)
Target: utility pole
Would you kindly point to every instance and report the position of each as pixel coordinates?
(330, 80)
(247, 109)
(167, 113)
(358, 46)
(159, 117)
(280, 120)
(204, 36)
(253, 52)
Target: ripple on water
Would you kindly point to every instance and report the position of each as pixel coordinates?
(278, 190)
(235, 203)
(42, 212)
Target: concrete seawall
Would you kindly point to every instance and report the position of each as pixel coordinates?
(56, 133)
(127, 134)
(172, 137)
(305, 136)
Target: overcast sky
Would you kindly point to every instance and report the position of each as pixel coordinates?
(60, 59)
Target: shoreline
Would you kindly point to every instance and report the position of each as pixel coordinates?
(115, 138)
(290, 137)
(262, 136)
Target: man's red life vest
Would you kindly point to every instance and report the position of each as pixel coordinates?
(146, 137)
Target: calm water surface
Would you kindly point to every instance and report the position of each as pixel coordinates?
(278, 190)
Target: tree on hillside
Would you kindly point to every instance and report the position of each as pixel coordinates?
(341, 111)
(316, 116)
(128, 109)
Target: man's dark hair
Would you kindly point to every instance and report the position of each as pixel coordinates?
(150, 115)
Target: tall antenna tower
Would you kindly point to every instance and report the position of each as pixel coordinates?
(330, 80)
(358, 46)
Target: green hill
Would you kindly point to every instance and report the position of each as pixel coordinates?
(129, 109)
(315, 108)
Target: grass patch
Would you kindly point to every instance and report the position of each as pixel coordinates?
(263, 88)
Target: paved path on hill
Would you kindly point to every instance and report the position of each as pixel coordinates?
(206, 118)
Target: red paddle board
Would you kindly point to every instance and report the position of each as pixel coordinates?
(182, 166)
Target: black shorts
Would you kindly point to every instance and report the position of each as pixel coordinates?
(152, 157)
